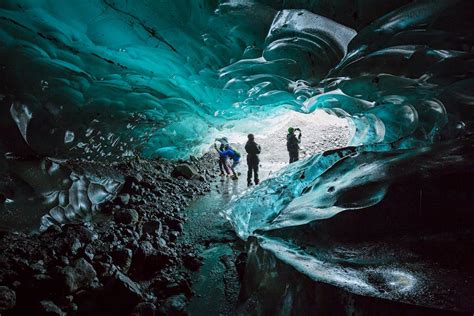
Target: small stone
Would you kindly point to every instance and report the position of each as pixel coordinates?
(153, 228)
(49, 308)
(124, 198)
(75, 246)
(126, 217)
(86, 235)
(53, 230)
(144, 309)
(176, 305)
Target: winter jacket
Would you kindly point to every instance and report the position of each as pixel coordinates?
(232, 154)
(252, 149)
(292, 142)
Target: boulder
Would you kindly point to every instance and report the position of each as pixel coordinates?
(79, 276)
(122, 258)
(7, 298)
(192, 261)
(184, 170)
(147, 260)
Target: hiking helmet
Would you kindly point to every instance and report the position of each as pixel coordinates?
(291, 130)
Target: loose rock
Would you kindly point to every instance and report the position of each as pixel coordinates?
(184, 170)
(79, 276)
(7, 299)
(127, 217)
(50, 309)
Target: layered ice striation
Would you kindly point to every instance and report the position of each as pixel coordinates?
(107, 79)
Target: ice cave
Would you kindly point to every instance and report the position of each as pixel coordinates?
(116, 199)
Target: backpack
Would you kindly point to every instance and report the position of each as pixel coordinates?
(237, 154)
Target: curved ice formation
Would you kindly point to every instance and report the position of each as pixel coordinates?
(103, 80)
(127, 79)
(400, 100)
(57, 193)
(398, 84)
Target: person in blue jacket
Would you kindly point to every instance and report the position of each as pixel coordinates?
(234, 157)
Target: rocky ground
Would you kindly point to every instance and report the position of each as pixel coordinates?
(129, 262)
(155, 249)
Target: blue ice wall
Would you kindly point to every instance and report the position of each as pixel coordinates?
(406, 85)
(369, 218)
(106, 79)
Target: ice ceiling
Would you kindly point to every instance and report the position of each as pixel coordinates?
(102, 79)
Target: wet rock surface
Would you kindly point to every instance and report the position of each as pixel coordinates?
(130, 255)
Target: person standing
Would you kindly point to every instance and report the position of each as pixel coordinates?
(293, 143)
(253, 150)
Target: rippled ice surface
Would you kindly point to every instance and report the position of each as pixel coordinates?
(48, 192)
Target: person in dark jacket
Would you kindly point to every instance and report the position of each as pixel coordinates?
(293, 144)
(253, 150)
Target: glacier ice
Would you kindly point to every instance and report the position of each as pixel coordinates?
(103, 80)
(397, 107)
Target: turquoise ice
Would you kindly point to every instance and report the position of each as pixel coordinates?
(104, 80)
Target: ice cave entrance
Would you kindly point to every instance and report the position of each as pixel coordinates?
(321, 132)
